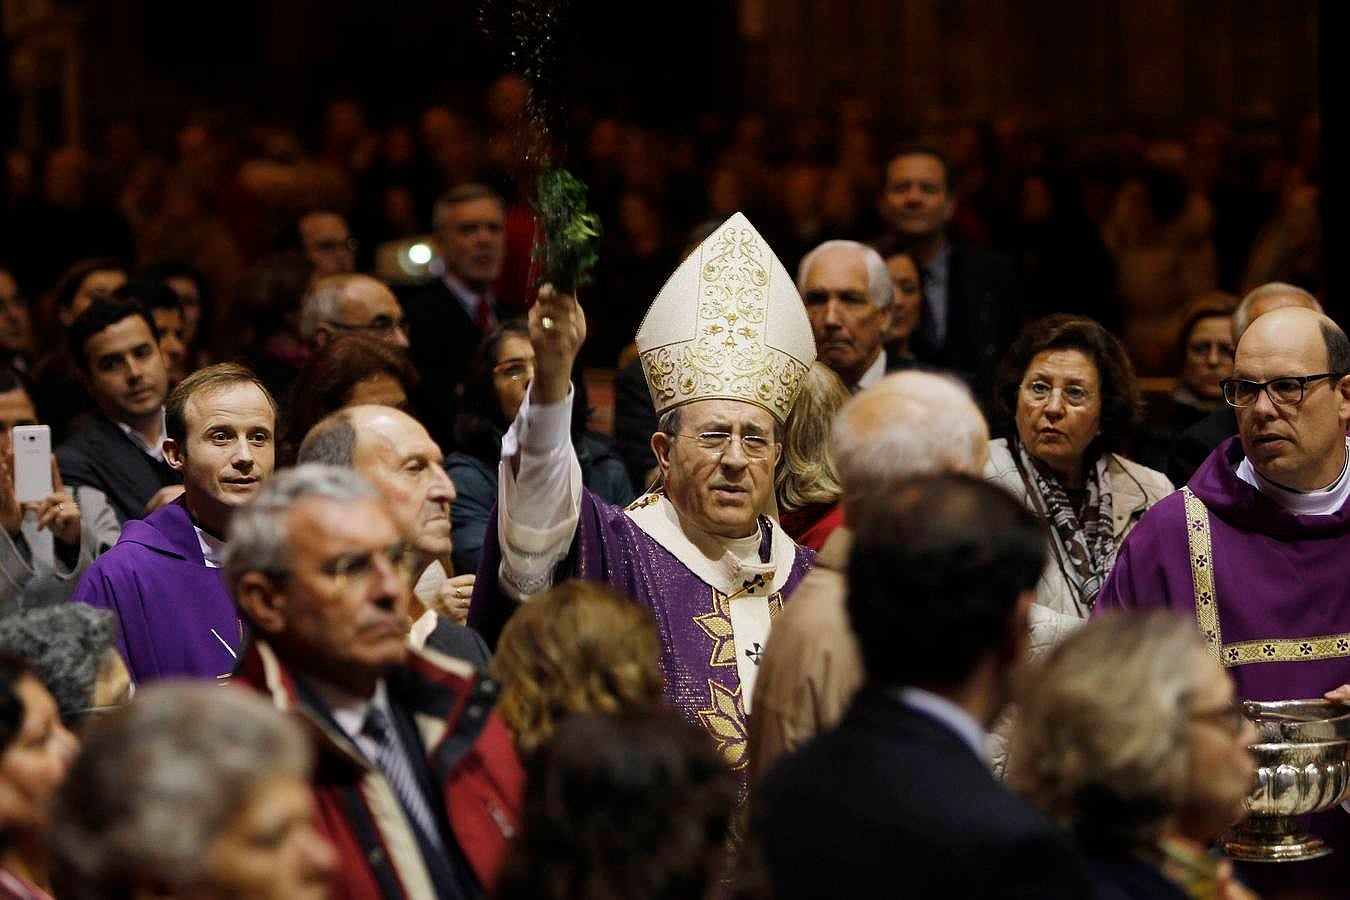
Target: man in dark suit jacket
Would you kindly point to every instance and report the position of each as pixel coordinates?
(120, 452)
(941, 581)
(448, 319)
(972, 302)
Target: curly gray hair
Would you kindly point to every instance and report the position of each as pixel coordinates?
(159, 780)
(67, 645)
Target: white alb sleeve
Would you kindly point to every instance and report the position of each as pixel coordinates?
(538, 496)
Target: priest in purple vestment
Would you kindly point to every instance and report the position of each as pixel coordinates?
(1257, 545)
(724, 349)
(162, 578)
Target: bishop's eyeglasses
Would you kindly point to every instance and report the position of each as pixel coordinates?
(1286, 391)
(754, 446)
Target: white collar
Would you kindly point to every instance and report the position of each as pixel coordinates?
(720, 562)
(949, 714)
(349, 710)
(875, 372)
(1325, 502)
(467, 296)
(422, 629)
(212, 547)
(153, 450)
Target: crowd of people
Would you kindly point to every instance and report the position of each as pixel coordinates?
(894, 570)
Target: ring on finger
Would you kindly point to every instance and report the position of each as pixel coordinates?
(547, 323)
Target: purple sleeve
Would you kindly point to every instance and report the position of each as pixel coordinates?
(1142, 576)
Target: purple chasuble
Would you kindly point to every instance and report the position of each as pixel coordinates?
(698, 649)
(1271, 595)
(175, 616)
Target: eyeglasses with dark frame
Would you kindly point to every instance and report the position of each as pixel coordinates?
(1287, 390)
(755, 446)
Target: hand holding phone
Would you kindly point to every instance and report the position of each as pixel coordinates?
(32, 462)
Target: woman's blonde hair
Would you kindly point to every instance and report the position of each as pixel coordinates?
(1101, 739)
(807, 474)
(579, 647)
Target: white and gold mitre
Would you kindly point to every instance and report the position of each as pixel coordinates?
(728, 325)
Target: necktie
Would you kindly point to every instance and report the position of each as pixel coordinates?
(392, 760)
(483, 317)
(929, 325)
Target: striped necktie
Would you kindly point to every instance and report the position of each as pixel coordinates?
(393, 761)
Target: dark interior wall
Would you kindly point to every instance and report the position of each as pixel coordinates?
(936, 62)
(281, 60)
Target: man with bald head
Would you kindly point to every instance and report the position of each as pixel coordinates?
(1255, 545)
(395, 454)
(351, 303)
(909, 424)
(1198, 441)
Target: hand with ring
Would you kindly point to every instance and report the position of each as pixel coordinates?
(452, 601)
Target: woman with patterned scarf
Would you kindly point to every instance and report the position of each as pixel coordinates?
(1066, 399)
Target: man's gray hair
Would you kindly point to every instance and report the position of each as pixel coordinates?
(879, 287)
(907, 425)
(323, 303)
(160, 780)
(1242, 316)
(331, 442)
(462, 193)
(258, 539)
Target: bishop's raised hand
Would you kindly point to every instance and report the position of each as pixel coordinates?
(557, 331)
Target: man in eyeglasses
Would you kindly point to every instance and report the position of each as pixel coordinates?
(344, 304)
(417, 781)
(725, 348)
(161, 578)
(1255, 546)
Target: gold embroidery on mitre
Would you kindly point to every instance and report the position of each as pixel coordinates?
(724, 719)
(728, 356)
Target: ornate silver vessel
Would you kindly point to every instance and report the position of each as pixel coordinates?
(1303, 767)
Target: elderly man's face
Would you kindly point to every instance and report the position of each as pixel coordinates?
(369, 306)
(1300, 445)
(847, 325)
(343, 611)
(720, 486)
(397, 456)
(472, 241)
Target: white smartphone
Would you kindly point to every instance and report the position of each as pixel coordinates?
(32, 462)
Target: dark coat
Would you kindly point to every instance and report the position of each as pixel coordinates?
(443, 340)
(894, 797)
(101, 456)
(984, 317)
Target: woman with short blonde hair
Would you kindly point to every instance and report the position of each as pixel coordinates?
(577, 648)
(806, 484)
(1129, 736)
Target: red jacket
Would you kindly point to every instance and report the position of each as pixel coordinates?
(470, 754)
